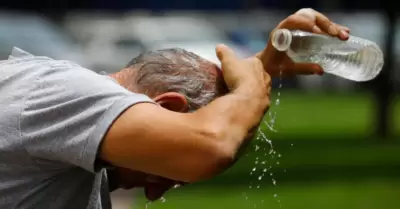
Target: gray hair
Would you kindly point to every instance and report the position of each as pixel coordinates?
(177, 70)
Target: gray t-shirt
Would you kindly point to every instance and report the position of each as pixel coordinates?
(53, 116)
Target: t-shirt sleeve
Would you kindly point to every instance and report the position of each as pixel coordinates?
(67, 114)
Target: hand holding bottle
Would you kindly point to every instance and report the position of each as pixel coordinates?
(308, 20)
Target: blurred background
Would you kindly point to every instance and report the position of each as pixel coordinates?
(336, 144)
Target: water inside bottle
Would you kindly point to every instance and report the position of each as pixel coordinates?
(355, 59)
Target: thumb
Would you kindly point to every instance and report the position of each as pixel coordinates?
(225, 53)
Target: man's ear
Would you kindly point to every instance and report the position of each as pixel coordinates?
(172, 101)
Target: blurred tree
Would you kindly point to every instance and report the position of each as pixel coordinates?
(384, 83)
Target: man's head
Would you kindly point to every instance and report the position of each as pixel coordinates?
(175, 78)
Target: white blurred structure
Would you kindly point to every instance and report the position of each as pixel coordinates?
(101, 37)
(38, 36)
(111, 42)
(193, 34)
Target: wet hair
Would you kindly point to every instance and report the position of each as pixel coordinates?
(177, 70)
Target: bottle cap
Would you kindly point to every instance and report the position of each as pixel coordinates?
(281, 39)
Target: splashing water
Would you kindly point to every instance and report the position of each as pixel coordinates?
(147, 204)
(261, 168)
(274, 182)
(162, 199)
(272, 114)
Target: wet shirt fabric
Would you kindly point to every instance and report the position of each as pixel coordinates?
(54, 115)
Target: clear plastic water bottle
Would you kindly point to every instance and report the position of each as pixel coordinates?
(356, 59)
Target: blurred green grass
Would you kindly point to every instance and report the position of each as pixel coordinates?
(329, 159)
(316, 115)
(351, 195)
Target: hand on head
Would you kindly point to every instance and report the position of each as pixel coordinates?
(247, 73)
(307, 20)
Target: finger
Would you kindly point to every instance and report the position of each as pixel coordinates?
(299, 22)
(320, 20)
(344, 32)
(342, 27)
(307, 69)
(326, 24)
(224, 53)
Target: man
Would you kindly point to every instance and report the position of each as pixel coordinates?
(69, 136)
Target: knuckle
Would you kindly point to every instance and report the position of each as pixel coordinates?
(305, 10)
(288, 21)
(291, 19)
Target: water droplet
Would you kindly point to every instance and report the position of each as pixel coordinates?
(291, 145)
(254, 169)
(277, 163)
(162, 199)
(256, 162)
(147, 204)
(260, 177)
(176, 186)
(274, 182)
(275, 195)
(263, 162)
(257, 148)
(250, 187)
(279, 155)
(271, 151)
(271, 174)
(265, 170)
(277, 102)
(258, 186)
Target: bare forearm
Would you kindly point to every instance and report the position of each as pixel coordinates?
(235, 115)
(180, 146)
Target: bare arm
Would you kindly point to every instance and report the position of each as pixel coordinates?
(184, 147)
(191, 146)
